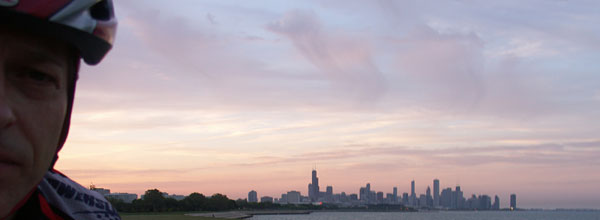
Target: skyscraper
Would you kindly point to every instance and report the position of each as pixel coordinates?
(436, 192)
(379, 197)
(485, 202)
(413, 196)
(252, 196)
(405, 198)
(429, 200)
(446, 198)
(369, 198)
(496, 205)
(313, 192)
(362, 194)
(395, 196)
(513, 202)
(458, 198)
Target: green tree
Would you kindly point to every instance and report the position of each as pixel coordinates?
(119, 205)
(153, 201)
(194, 202)
(220, 202)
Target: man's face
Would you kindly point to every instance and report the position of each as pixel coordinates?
(33, 103)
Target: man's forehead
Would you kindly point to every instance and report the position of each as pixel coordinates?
(21, 45)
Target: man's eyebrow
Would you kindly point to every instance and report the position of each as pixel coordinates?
(40, 55)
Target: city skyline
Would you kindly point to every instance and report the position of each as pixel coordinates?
(224, 97)
(447, 198)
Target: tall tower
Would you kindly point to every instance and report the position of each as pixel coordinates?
(496, 205)
(314, 187)
(436, 192)
(459, 198)
(368, 191)
(513, 202)
(429, 201)
(413, 195)
(395, 198)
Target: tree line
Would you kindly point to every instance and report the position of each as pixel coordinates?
(154, 201)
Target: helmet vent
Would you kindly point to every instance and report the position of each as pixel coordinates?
(101, 11)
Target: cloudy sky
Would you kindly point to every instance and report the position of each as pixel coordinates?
(230, 96)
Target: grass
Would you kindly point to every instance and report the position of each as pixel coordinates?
(163, 216)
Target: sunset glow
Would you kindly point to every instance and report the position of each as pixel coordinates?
(232, 96)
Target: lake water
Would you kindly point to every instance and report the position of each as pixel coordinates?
(442, 215)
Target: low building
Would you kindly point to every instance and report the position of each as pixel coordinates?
(266, 199)
(102, 191)
(293, 197)
(176, 197)
(125, 197)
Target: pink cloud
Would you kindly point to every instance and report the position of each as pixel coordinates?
(345, 61)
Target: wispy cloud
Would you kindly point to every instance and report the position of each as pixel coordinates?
(345, 61)
(555, 154)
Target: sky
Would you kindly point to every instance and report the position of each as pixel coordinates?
(226, 97)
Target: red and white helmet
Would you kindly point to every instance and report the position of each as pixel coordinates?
(88, 25)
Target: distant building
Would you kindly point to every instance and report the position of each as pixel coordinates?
(372, 197)
(485, 202)
(389, 198)
(293, 197)
(252, 196)
(436, 193)
(266, 199)
(283, 199)
(428, 197)
(363, 194)
(343, 197)
(329, 194)
(366, 195)
(513, 202)
(370, 193)
(413, 196)
(405, 199)
(457, 199)
(422, 201)
(125, 197)
(472, 203)
(176, 197)
(313, 187)
(395, 195)
(102, 191)
(446, 198)
(310, 191)
(496, 205)
(379, 197)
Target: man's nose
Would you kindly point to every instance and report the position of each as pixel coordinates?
(7, 116)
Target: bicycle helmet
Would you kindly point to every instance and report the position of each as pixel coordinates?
(88, 25)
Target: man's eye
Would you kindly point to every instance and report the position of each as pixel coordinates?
(38, 77)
